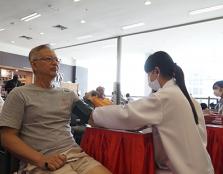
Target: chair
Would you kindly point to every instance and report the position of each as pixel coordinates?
(79, 118)
(8, 163)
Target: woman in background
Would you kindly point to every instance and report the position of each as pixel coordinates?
(172, 114)
(218, 92)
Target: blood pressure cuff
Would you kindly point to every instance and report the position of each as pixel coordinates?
(81, 111)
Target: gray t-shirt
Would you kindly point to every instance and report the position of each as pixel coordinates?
(42, 117)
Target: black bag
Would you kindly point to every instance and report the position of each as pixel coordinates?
(80, 111)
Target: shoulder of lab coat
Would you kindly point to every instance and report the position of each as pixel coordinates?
(146, 111)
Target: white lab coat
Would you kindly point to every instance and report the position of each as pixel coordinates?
(170, 113)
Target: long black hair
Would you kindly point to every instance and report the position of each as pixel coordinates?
(169, 69)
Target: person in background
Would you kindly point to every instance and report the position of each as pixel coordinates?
(129, 98)
(204, 106)
(11, 84)
(218, 92)
(99, 99)
(35, 123)
(205, 109)
(88, 97)
(179, 145)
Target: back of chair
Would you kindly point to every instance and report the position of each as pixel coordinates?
(8, 163)
(4, 161)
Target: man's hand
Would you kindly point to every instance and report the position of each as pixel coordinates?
(52, 162)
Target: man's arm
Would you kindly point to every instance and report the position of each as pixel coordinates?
(11, 142)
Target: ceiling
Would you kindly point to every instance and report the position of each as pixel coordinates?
(104, 19)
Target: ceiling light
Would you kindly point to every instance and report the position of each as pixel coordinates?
(13, 41)
(34, 17)
(2, 29)
(205, 10)
(30, 17)
(147, 2)
(76, 0)
(84, 37)
(41, 33)
(83, 21)
(133, 26)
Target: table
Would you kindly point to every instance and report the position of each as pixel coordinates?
(215, 146)
(214, 119)
(120, 152)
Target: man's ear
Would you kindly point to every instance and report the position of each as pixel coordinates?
(33, 65)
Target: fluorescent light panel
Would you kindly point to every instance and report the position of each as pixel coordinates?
(84, 37)
(2, 29)
(34, 14)
(133, 26)
(34, 17)
(30, 17)
(205, 10)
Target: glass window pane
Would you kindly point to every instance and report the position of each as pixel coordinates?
(99, 59)
(196, 48)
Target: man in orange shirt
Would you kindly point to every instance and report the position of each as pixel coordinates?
(100, 99)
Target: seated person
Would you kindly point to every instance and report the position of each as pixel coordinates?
(212, 106)
(205, 109)
(88, 96)
(13, 83)
(218, 92)
(129, 98)
(35, 123)
(100, 99)
(117, 98)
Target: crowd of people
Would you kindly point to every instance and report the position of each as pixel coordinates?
(35, 120)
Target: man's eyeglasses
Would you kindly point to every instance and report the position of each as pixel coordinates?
(48, 59)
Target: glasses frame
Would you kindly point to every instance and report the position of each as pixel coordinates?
(48, 59)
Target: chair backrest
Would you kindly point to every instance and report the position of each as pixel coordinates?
(4, 162)
(8, 163)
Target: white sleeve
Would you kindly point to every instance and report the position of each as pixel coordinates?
(146, 111)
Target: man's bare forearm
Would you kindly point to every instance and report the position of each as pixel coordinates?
(11, 141)
(15, 145)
